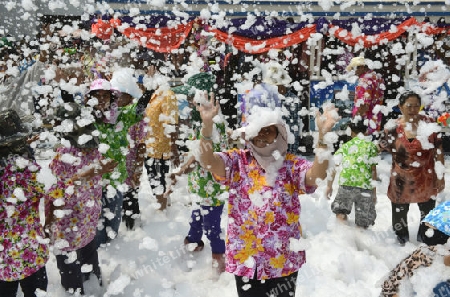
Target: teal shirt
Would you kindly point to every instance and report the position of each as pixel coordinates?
(358, 157)
(115, 135)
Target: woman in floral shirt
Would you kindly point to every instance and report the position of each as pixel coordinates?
(74, 204)
(23, 248)
(264, 207)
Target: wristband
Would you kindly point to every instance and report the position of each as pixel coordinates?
(206, 138)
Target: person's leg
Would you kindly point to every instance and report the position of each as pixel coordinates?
(425, 208)
(36, 281)
(365, 213)
(9, 289)
(195, 231)
(89, 255)
(400, 222)
(109, 223)
(282, 286)
(343, 202)
(156, 171)
(250, 287)
(211, 225)
(131, 207)
(277, 287)
(71, 276)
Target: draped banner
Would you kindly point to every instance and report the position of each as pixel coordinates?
(368, 33)
(260, 34)
(158, 33)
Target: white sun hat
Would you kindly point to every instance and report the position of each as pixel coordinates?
(275, 74)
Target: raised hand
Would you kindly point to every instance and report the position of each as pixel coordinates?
(327, 119)
(208, 108)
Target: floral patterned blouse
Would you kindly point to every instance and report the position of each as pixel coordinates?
(370, 90)
(82, 200)
(413, 176)
(137, 136)
(162, 112)
(263, 218)
(116, 136)
(23, 249)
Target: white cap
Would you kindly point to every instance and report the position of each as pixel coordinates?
(355, 62)
(124, 81)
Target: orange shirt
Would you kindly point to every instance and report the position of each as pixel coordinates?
(162, 114)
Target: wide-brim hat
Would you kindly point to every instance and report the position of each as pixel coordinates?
(124, 81)
(356, 62)
(439, 217)
(275, 74)
(203, 81)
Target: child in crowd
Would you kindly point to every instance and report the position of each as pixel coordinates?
(74, 203)
(23, 247)
(208, 195)
(357, 158)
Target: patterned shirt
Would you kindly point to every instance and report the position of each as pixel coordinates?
(78, 227)
(358, 158)
(413, 176)
(263, 218)
(161, 113)
(200, 180)
(116, 136)
(370, 91)
(421, 257)
(136, 135)
(23, 250)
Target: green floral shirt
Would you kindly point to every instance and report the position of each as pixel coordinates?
(200, 180)
(358, 157)
(115, 135)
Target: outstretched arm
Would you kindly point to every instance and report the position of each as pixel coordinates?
(208, 160)
(325, 123)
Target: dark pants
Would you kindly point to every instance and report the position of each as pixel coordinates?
(275, 287)
(207, 219)
(157, 169)
(130, 208)
(109, 225)
(400, 218)
(72, 277)
(29, 285)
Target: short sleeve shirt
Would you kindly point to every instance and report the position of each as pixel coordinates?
(263, 217)
(162, 112)
(77, 228)
(202, 183)
(358, 158)
(116, 136)
(23, 249)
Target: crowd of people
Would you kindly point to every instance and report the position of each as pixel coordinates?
(110, 111)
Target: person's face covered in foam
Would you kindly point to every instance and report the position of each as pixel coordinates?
(266, 136)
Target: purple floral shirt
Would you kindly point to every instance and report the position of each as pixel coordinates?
(23, 248)
(263, 218)
(137, 135)
(82, 201)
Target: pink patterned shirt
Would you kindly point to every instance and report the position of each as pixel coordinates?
(263, 218)
(370, 91)
(77, 227)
